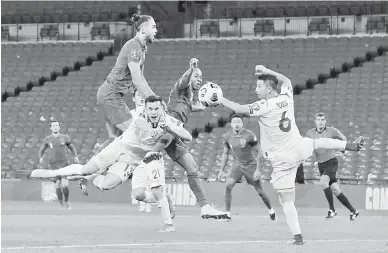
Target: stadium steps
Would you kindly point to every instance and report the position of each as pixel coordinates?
(42, 73)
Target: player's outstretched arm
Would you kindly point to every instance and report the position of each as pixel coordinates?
(163, 142)
(138, 79)
(176, 127)
(184, 81)
(286, 82)
(233, 106)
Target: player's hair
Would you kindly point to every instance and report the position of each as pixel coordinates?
(273, 81)
(52, 121)
(236, 115)
(320, 114)
(153, 98)
(139, 19)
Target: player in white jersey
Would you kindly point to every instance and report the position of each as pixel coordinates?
(280, 139)
(115, 175)
(136, 148)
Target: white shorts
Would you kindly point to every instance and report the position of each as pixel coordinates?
(149, 175)
(115, 159)
(285, 165)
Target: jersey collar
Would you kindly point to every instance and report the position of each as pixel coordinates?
(316, 129)
(142, 45)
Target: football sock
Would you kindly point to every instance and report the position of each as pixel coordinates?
(59, 195)
(66, 193)
(344, 200)
(165, 210)
(228, 199)
(329, 196)
(327, 143)
(73, 169)
(292, 217)
(196, 187)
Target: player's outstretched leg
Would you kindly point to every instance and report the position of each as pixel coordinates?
(287, 200)
(344, 201)
(325, 181)
(326, 143)
(187, 162)
(263, 195)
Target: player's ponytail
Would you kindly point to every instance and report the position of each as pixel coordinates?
(139, 19)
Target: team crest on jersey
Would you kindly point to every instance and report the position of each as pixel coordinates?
(243, 143)
(135, 55)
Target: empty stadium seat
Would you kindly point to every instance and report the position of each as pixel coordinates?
(355, 101)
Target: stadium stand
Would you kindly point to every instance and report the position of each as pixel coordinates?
(71, 98)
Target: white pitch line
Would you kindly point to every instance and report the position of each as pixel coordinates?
(153, 244)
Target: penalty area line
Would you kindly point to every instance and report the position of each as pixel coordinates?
(153, 244)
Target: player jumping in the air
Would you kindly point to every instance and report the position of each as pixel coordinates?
(180, 105)
(246, 153)
(58, 144)
(281, 142)
(328, 165)
(128, 73)
(136, 150)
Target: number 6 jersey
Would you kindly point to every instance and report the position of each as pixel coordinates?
(278, 131)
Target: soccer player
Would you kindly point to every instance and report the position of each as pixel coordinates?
(281, 142)
(136, 150)
(58, 144)
(112, 178)
(328, 165)
(246, 153)
(180, 105)
(128, 73)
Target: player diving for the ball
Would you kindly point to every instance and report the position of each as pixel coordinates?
(110, 179)
(138, 150)
(243, 145)
(180, 105)
(280, 139)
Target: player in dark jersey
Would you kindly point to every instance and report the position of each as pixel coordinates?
(246, 153)
(180, 105)
(126, 75)
(57, 158)
(328, 165)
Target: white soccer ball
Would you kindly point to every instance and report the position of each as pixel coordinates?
(210, 94)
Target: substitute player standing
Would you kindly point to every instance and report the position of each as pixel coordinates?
(128, 73)
(280, 139)
(328, 165)
(246, 153)
(57, 158)
(180, 105)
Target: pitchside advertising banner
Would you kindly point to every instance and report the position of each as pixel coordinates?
(309, 195)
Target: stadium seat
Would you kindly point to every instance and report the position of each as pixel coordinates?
(355, 101)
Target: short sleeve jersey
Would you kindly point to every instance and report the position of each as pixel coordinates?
(139, 141)
(242, 146)
(323, 155)
(120, 76)
(278, 130)
(58, 149)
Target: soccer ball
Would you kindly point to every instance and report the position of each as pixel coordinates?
(210, 94)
